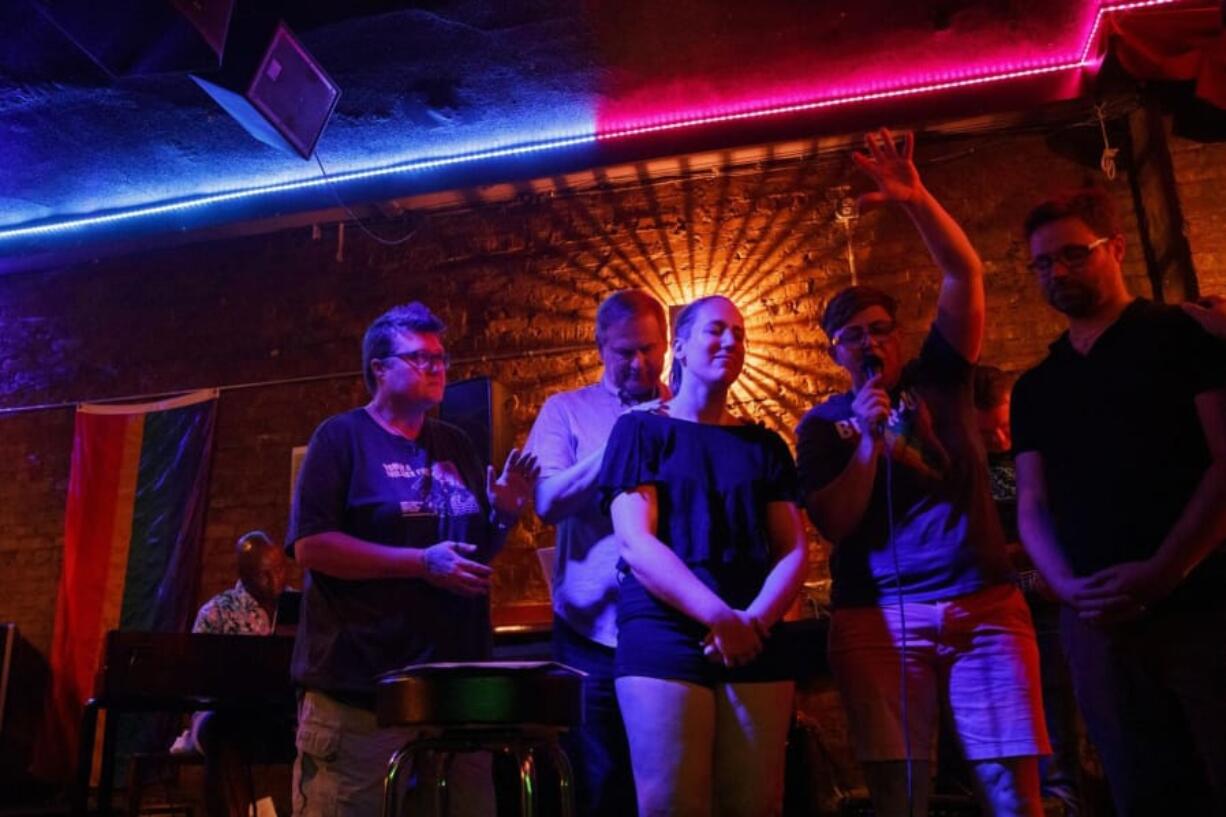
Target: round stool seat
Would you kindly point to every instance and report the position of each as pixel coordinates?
(503, 707)
(481, 695)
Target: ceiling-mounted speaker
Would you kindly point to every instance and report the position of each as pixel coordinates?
(278, 93)
(131, 37)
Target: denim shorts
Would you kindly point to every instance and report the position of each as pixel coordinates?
(977, 652)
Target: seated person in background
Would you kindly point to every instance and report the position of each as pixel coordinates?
(250, 606)
(228, 741)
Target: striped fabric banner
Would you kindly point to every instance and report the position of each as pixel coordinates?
(132, 544)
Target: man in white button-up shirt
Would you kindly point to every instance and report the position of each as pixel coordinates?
(568, 439)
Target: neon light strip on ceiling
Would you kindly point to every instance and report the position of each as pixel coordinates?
(302, 184)
(1081, 60)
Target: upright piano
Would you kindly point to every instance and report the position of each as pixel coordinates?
(178, 672)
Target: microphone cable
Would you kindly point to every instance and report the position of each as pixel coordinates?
(874, 365)
(902, 624)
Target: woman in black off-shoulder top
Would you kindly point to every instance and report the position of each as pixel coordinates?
(713, 553)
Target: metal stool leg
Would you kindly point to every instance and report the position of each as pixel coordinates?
(442, 787)
(441, 750)
(527, 779)
(566, 778)
(391, 781)
(435, 772)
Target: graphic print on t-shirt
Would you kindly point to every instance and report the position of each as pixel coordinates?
(909, 436)
(436, 489)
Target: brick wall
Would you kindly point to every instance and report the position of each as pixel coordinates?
(36, 449)
(1201, 171)
(511, 278)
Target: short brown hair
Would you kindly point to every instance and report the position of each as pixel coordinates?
(380, 337)
(627, 303)
(850, 302)
(1093, 205)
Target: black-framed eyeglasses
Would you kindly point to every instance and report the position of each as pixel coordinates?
(855, 335)
(423, 360)
(1070, 255)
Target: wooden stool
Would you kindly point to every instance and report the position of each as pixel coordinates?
(499, 707)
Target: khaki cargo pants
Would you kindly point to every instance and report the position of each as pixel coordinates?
(342, 761)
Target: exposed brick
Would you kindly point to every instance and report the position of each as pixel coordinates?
(1201, 171)
(509, 277)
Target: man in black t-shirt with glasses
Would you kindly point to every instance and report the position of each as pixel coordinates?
(1120, 440)
(394, 522)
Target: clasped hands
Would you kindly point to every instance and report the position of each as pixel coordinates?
(1118, 593)
(736, 638)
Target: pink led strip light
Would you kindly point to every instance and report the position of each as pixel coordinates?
(1071, 63)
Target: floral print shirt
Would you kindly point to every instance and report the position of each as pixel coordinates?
(232, 612)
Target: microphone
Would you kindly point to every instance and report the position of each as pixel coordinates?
(873, 365)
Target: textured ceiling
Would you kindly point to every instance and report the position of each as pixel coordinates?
(414, 82)
(439, 79)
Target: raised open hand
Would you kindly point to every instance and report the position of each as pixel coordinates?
(892, 171)
(509, 492)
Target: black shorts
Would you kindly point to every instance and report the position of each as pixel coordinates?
(657, 641)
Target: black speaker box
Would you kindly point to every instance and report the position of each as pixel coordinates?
(24, 682)
(479, 407)
(275, 90)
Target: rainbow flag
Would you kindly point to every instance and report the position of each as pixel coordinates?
(132, 544)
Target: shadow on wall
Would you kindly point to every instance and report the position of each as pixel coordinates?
(766, 239)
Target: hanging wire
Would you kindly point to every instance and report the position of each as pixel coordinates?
(846, 213)
(490, 357)
(387, 242)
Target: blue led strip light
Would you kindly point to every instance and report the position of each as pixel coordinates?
(302, 184)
